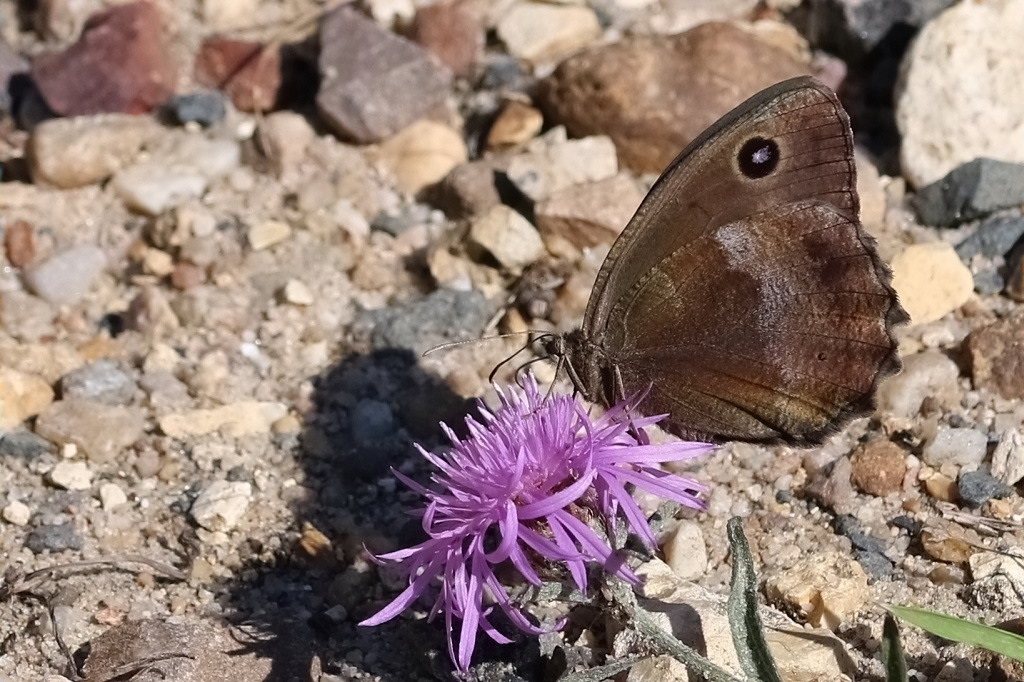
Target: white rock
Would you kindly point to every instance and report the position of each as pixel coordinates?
(961, 90)
(540, 32)
(827, 588)
(266, 234)
(686, 552)
(234, 420)
(421, 154)
(17, 513)
(284, 137)
(926, 374)
(67, 276)
(226, 15)
(152, 188)
(221, 505)
(1008, 457)
(552, 163)
(931, 281)
(297, 293)
(71, 475)
(112, 496)
(507, 236)
(964, 448)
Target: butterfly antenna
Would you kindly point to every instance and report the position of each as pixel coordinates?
(520, 368)
(551, 386)
(464, 342)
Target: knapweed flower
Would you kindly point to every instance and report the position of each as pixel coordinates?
(516, 490)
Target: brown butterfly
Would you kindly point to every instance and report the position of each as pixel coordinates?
(745, 292)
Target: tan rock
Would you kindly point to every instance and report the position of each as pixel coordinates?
(685, 551)
(539, 32)
(234, 420)
(946, 541)
(100, 431)
(826, 589)
(941, 487)
(422, 154)
(931, 281)
(22, 395)
(267, 233)
(517, 123)
(589, 214)
(552, 163)
(508, 237)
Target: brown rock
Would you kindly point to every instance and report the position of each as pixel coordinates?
(879, 467)
(20, 243)
(653, 94)
(186, 275)
(119, 64)
(453, 30)
(941, 487)
(100, 431)
(589, 214)
(469, 189)
(997, 356)
(516, 124)
(949, 542)
(374, 83)
(1015, 282)
(249, 72)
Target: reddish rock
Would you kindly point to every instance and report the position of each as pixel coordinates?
(997, 356)
(653, 94)
(878, 467)
(453, 30)
(186, 276)
(374, 83)
(20, 243)
(120, 64)
(249, 72)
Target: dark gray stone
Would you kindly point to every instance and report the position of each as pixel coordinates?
(53, 537)
(374, 83)
(371, 421)
(876, 565)
(102, 381)
(437, 318)
(205, 108)
(851, 29)
(995, 237)
(978, 487)
(24, 445)
(988, 281)
(972, 190)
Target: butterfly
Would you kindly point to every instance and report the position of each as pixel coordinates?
(744, 295)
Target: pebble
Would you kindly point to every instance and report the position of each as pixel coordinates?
(654, 94)
(100, 431)
(539, 32)
(54, 537)
(221, 505)
(931, 281)
(508, 237)
(453, 30)
(92, 76)
(439, 317)
(67, 276)
(971, 190)
(928, 374)
(234, 420)
(954, 54)
(685, 550)
(1008, 457)
(961, 447)
(978, 487)
(949, 542)
(249, 72)
(111, 496)
(103, 381)
(20, 243)
(515, 124)
(22, 395)
(267, 233)
(867, 549)
(827, 588)
(73, 152)
(16, 513)
(941, 487)
(987, 565)
(996, 352)
(23, 444)
(205, 107)
(552, 163)
(374, 83)
(422, 154)
(878, 467)
(227, 15)
(994, 237)
(371, 421)
(297, 293)
(469, 189)
(589, 214)
(71, 475)
(852, 29)
(284, 137)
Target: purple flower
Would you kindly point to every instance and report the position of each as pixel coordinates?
(513, 491)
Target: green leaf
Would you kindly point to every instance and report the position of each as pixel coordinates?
(892, 651)
(956, 629)
(744, 619)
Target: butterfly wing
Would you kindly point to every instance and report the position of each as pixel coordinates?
(744, 291)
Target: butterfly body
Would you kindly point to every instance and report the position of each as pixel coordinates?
(744, 293)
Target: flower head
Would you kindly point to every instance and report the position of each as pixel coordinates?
(512, 491)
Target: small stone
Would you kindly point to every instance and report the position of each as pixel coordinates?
(589, 214)
(988, 565)
(978, 487)
(205, 108)
(66, 277)
(422, 154)
(100, 431)
(550, 166)
(249, 72)
(16, 513)
(221, 505)
(54, 537)
(970, 191)
(234, 420)
(374, 83)
(111, 496)
(995, 237)
(941, 487)
(931, 281)
(284, 136)
(951, 55)
(854, 28)
(961, 447)
(928, 374)
(287, 424)
(443, 315)
(1008, 457)
(71, 476)
(469, 189)
(187, 276)
(878, 467)
(654, 94)
(102, 381)
(12, 66)
(662, 668)
(826, 589)
(949, 542)
(72, 152)
(685, 551)
(22, 444)
(454, 31)
(20, 243)
(120, 64)
(539, 32)
(22, 396)
(516, 124)
(226, 15)
(371, 421)
(266, 234)
(297, 293)
(997, 356)
(508, 237)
